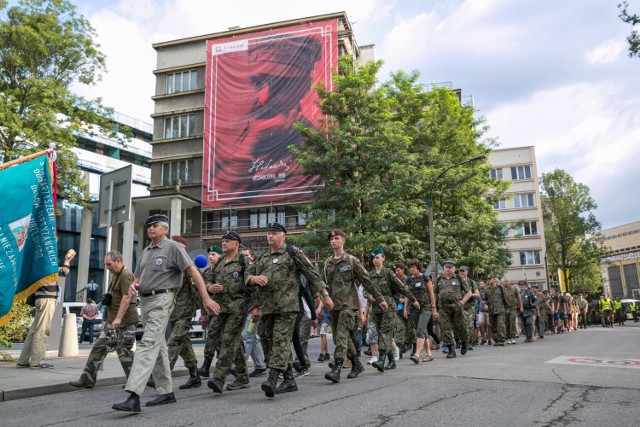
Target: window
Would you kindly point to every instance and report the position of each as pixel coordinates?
(179, 126)
(496, 173)
(302, 218)
(182, 82)
(173, 171)
(527, 229)
(520, 172)
(500, 204)
(523, 200)
(529, 257)
(229, 220)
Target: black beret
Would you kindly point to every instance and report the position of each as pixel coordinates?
(463, 268)
(449, 262)
(335, 232)
(274, 226)
(232, 235)
(156, 218)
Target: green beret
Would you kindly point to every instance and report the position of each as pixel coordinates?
(216, 249)
(376, 251)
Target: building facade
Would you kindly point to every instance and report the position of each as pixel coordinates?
(521, 211)
(621, 265)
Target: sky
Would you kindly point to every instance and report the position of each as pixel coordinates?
(553, 74)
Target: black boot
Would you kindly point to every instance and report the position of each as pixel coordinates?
(194, 379)
(452, 351)
(465, 347)
(457, 343)
(269, 386)
(392, 362)
(206, 365)
(132, 404)
(356, 367)
(334, 374)
(414, 349)
(289, 383)
(379, 365)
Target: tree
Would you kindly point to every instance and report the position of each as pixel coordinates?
(45, 47)
(634, 38)
(570, 228)
(377, 152)
(15, 330)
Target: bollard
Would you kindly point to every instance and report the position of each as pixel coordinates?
(69, 337)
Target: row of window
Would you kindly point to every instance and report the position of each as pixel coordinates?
(182, 82)
(524, 200)
(179, 126)
(253, 219)
(174, 172)
(517, 173)
(530, 258)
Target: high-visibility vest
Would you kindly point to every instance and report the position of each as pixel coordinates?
(605, 304)
(633, 307)
(617, 305)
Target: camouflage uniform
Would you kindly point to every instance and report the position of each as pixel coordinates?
(212, 346)
(234, 304)
(342, 276)
(471, 306)
(280, 299)
(512, 313)
(495, 299)
(388, 284)
(449, 293)
(179, 344)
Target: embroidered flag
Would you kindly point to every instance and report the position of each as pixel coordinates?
(29, 253)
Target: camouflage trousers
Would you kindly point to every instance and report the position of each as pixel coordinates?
(229, 336)
(276, 341)
(470, 316)
(412, 325)
(344, 330)
(510, 320)
(385, 323)
(212, 346)
(498, 327)
(179, 344)
(452, 318)
(401, 329)
(126, 339)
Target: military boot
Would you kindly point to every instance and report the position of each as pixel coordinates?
(392, 362)
(457, 343)
(452, 351)
(414, 349)
(379, 365)
(465, 347)
(356, 367)
(269, 386)
(289, 383)
(334, 374)
(194, 379)
(206, 365)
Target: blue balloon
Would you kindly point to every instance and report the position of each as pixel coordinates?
(201, 261)
(400, 306)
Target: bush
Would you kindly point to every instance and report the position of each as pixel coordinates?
(15, 330)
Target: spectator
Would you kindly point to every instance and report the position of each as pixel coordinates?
(92, 290)
(89, 314)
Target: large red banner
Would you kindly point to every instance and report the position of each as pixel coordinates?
(258, 85)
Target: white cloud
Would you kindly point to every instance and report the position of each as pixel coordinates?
(607, 52)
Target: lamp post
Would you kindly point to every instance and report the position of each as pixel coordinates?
(432, 237)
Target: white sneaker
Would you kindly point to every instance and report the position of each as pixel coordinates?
(513, 341)
(373, 359)
(508, 342)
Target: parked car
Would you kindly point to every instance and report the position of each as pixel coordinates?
(196, 330)
(626, 306)
(76, 307)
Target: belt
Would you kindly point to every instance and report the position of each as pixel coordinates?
(160, 291)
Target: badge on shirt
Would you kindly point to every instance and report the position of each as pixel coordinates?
(158, 261)
(345, 268)
(275, 260)
(417, 285)
(235, 274)
(453, 283)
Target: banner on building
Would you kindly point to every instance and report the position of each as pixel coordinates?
(257, 86)
(29, 256)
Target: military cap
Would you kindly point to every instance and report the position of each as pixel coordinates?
(274, 226)
(463, 268)
(449, 262)
(216, 249)
(535, 286)
(490, 276)
(336, 232)
(544, 291)
(376, 251)
(522, 282)
(156, 218)
(232, 235)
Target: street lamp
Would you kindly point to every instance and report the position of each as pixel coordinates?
(432, 237)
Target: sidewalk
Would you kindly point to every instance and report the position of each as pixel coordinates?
(30, 382)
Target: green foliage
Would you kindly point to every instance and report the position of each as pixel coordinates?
(634, 38)
(45, 47)
(377, 152)
(19, 319)
(571, 229)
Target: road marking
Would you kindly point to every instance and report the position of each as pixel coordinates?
(606, 362)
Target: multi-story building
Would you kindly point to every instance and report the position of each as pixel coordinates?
(209, 101)
(78, 227)
(520, 209)
(620, 266)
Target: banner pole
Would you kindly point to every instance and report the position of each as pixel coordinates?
(24, 159)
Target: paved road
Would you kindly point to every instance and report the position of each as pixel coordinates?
(589, 378)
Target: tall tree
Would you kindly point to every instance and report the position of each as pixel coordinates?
(634, 38)
(45, 47)
(570, 226)
(378, 151)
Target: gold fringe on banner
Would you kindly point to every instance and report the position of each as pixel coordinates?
(31, 289)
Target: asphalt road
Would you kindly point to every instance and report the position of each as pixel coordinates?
(585, 378)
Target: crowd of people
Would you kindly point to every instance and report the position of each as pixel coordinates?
(266, 307)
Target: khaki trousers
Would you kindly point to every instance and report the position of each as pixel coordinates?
(34, 349)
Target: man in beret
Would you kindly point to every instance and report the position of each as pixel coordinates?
(277, 303)
(515, 308)
(472, 303)
(342, 273)
(496, 303)
(157, 276)
(452, 292)
(211, 346)
(529, 303)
